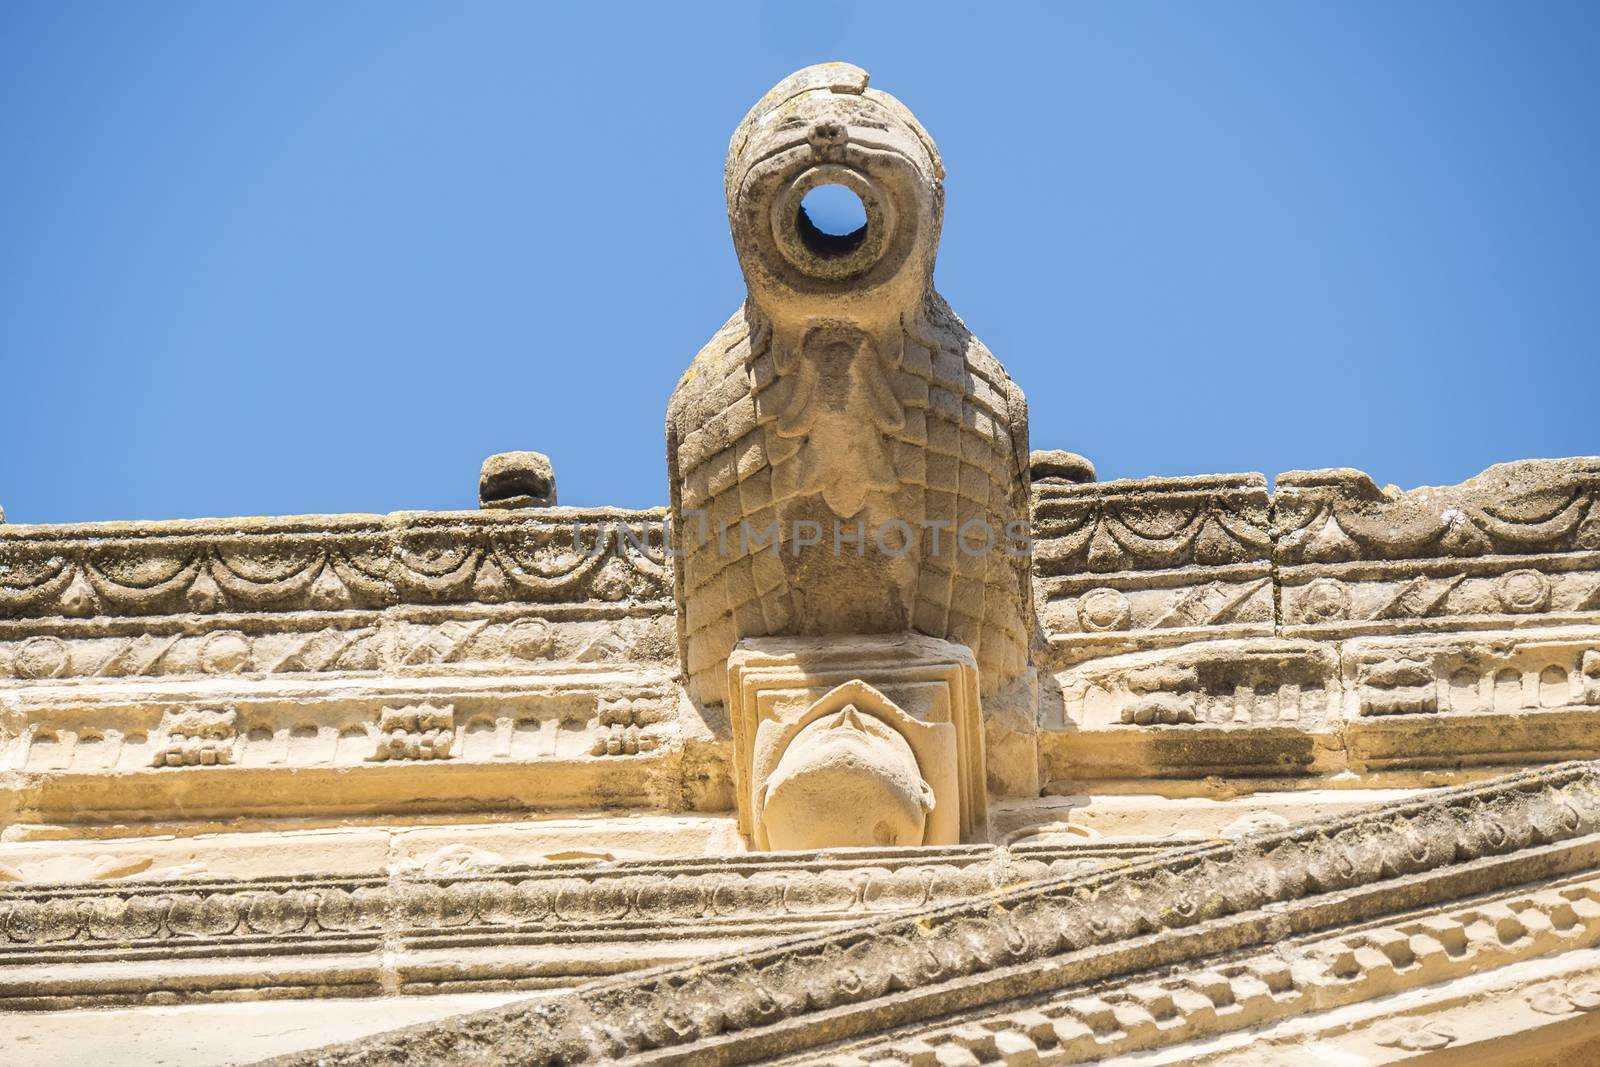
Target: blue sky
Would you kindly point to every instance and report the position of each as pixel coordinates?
(311, 257)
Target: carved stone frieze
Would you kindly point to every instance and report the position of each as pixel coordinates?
(333, 563)
(1518, 544)
(1218, 520)
(1482, 598)
(1455, 675)
(1120, 565)
(355, 642)
(1220, 683)
(1531, 507)
(1127, 564)
(1297, 708)
(88, 752)
(1242, 708)
(636, 912)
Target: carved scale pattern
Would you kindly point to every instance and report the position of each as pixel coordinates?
(953, 456)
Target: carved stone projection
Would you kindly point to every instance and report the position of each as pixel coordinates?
(833, 443)
(418, 731)
(196, 736)
(822, 757)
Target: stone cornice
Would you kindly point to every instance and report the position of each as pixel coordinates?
(803, 992)
(1147, 524)
(1289, 980)
(1133, 564)
(1522, 508)
(1180, 558)
(332, 563)
(303, 928)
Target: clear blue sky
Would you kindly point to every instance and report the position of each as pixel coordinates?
(305, 257)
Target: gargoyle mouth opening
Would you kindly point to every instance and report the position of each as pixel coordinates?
(831, 220)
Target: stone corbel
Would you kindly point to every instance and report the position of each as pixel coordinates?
(908, 764)
(865, 741)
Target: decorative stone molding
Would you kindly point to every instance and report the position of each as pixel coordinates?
(1130, 564)
(1297, 709)
(332, 563)
(1327, 554)
(1220, 683)
(1379, 614)
(1300, 978)
(414, 732)
(89, 752)
(1458, 675)
(500, 638)
(1518, 543)
(809, 992)
(196, 737)
(1532, 507)
(409, 920)
(1151, 524)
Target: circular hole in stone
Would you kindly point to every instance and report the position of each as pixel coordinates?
(833, 220)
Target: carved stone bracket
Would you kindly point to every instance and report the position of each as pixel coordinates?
(800, 706)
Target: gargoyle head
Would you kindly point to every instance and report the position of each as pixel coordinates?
(823, 126)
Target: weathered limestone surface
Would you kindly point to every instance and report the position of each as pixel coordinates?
(461, 919)
(1070, 969)
(1323, 628)
(1218, 771)
(322, 665)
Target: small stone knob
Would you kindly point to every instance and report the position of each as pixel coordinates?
(1061, 466)
(517, 480)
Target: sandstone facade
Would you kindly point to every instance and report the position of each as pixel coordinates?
(1215, 770)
